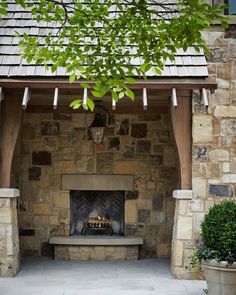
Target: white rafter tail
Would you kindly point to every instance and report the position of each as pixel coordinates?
(56, 97)
(85, 98)
(1, 94)
(204, 97)
(145, 103)
(26, 98)
(174, 97)
(113, 104)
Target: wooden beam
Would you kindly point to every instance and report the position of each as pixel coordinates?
(11, 114)
(145, 103)
(26, 98)
(137, 85)
(134, 109)
(55, 99)
(182, 126)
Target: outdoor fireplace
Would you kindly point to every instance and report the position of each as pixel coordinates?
(97, 212)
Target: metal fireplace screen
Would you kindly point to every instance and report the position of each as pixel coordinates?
(94, 212)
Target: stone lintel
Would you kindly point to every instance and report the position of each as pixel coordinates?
(183, 194)
(9, 192)
(96, 240)
(97, 182)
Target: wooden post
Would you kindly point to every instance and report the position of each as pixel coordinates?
(11, 114)
(182, 125)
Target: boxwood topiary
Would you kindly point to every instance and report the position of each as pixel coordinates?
(219, 230)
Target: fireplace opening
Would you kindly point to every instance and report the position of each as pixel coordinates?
(97, 212)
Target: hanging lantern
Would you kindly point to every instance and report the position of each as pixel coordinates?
(98, 126)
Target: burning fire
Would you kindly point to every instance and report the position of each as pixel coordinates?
(101, 218)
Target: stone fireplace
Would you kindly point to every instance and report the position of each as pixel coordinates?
(104, 209)
(56, 157)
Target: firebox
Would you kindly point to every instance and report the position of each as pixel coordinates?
(97, 212)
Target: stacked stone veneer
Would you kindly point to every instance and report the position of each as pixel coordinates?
(214, 150)
(9, 238)
(96, 252)
(54, 144)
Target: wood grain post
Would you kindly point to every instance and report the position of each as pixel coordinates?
(182, 126)
(10, 120)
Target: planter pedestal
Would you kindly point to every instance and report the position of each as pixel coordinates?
(221, 279)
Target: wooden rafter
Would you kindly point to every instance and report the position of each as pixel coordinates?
(174, 97)
(145, 102)
(85, 96)
(113, 104)
(204, 97)
(26, 98)
(56, 97)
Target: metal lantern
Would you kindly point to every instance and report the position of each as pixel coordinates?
(98, 126)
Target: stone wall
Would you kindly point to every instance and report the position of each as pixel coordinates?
(80, 253)
(53, 144)
(214, 148)
(9, 238)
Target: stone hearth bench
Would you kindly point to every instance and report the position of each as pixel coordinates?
(96, 247)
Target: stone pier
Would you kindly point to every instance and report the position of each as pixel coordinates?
(9, 238)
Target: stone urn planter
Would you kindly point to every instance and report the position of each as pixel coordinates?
(220, 277)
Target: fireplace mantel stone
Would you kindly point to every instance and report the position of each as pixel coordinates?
(97, 182)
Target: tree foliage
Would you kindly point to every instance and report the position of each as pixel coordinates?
(100, 41)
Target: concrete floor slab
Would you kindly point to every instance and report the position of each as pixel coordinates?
(144, 277)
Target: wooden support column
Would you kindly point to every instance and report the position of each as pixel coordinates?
(11, 114)
(182, 126)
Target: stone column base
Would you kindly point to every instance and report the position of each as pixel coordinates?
(9, 236)
(182, 234)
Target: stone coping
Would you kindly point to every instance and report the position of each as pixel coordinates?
(183, 194)
(9, 193)
(96, 240)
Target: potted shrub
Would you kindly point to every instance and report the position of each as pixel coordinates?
(217, 253)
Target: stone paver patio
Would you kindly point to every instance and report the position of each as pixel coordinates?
(143, 277)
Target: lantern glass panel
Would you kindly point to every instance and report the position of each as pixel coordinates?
(97, 134)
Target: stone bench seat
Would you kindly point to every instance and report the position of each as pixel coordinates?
(96, 247)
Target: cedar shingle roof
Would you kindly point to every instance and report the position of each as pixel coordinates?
(186, 64)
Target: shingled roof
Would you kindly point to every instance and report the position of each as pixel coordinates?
(186, 64)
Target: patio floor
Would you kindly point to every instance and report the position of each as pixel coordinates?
(144, 277)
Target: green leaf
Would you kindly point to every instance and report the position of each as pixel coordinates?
(72, 78)
(3, 11)
(85, 85)
(75, 104)
(130, 80)
(96, 93)
(3, 4)
(130, 94)
(121, 94)
(90, 104)
(85, 106)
